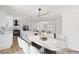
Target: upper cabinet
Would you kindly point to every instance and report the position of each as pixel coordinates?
(5, 20)
(9, 21)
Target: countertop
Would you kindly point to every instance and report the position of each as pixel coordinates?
(50, 43)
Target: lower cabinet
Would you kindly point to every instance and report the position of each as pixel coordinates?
(5, 41)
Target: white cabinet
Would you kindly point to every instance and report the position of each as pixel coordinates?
(70, 25)
(28, 49)
(6, 21)
(3, 19)
(9, 21)
(5, 41)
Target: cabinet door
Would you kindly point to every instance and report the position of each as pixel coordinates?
(3, 20)
(5, 41)
(9, 21)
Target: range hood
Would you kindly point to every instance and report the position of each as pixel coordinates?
(16, 23)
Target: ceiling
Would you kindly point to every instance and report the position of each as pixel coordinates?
(32, 10)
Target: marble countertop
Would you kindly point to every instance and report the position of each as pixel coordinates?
(50, 43)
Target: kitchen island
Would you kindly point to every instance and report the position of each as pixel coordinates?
(50, 43)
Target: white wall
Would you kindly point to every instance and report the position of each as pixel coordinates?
(70, 22)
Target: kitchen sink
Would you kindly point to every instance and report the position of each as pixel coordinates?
(43, 38)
